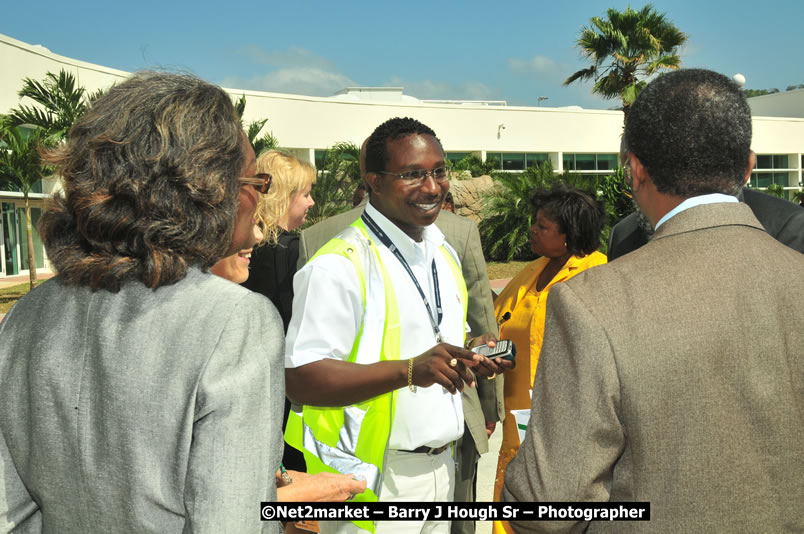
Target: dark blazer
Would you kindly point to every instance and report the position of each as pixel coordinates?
(781, 219)
(674, 375)
(271, 271)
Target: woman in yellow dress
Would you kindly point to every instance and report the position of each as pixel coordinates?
(566, 235)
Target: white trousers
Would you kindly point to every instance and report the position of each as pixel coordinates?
(409, 477)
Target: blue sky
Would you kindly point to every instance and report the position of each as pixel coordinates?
(514, 51)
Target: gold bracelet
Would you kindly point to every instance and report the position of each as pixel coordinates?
(410, 376)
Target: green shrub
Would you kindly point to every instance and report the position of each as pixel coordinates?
(335, 182)
(508, 214)
(775, 190)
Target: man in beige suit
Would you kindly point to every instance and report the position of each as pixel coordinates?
(675, 374)
(482, 405)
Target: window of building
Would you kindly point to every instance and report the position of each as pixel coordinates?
(590, 162)
(764, 179)
(35, 188)
(772, 161)
(532, 160)
(320, 157)
(516, 161)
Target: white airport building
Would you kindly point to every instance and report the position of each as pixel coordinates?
(579, 140)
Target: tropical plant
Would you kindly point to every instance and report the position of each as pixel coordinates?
(21, 168)
(335, 182)
(616, 196)
(798, 196)
(259, 144)
(626, 47)
(60, 102)
(508, 213)
(775, 190)
(475, 165)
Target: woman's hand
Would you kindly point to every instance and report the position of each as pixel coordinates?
(321, 487)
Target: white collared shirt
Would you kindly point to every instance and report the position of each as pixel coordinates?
(327, 312)
(711, 198)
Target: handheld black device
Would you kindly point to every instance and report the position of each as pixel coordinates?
(504, 349)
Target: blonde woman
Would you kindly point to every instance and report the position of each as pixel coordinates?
(273, 263)
(282, 210)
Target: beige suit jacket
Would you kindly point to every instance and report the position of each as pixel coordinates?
(675, 375)
(485, 403)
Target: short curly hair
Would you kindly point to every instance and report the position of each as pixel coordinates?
(691, 130)
(150, 175)
(579, 215)
(377, 143)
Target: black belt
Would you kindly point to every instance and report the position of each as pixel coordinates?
(429, 451)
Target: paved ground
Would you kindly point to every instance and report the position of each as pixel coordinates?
(486, 471)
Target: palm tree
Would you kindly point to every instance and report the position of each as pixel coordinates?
(21, 168)
(61, 101)
(625, 48)
(336, 182)
(259, 144)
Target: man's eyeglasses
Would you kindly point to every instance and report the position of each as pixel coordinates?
(628, 180)
(261, 182)
(439, 174)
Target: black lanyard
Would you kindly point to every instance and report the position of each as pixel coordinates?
(374, 227)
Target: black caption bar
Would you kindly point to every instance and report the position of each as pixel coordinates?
(452, 511)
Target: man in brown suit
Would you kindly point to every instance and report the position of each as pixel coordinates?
(675, 374)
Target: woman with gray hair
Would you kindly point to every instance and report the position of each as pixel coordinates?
(139, 392)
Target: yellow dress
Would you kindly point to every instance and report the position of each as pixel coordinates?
(525, 328)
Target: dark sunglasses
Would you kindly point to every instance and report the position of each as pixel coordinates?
(261, 181)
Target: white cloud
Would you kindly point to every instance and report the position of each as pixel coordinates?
(292, 57)
(439, 90)
(296, 70)
(536, 64)
(311, 81)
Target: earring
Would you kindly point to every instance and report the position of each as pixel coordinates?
(565, 243)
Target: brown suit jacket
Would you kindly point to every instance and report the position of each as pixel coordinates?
(485, 403)
(675, 375)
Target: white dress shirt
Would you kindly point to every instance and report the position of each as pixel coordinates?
(328, 310)
(700, 200)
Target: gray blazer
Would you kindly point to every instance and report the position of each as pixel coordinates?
(675, 375)
(140, 411)
(481, 404)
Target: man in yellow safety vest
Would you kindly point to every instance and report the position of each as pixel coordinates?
(376, 349)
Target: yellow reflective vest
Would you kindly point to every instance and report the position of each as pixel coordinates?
(354, 439)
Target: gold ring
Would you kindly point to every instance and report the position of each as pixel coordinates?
(453, 362)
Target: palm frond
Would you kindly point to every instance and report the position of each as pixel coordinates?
(583, 74)
(60, 101)
(624, 43)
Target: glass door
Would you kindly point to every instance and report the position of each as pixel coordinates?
(9, 217)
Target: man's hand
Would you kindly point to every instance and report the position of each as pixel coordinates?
(434, 367)
(489, 367)
(490, 427)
